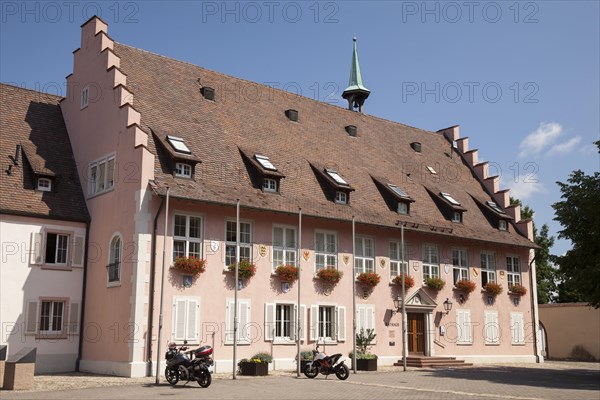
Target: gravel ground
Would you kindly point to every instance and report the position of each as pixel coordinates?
(79, 380)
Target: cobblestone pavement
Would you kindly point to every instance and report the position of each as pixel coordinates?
(551, 380)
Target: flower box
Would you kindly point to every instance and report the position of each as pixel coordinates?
(366, 364)
(330, 275)
(254, 368)
(464, 285)
(246, 269)
(518, 290)
(435, 283)
(190, 265)
(369, 279)
(493, 289)
(287, 273)
(409, 281)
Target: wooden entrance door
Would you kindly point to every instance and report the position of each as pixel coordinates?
(416, 333)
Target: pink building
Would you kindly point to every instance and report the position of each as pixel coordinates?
(144, 127)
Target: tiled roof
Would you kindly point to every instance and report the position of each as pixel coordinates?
(246, 114)
(34, 121)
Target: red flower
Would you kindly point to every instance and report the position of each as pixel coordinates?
(465, 285)
(287, 273)
(246, 269)
(409, 281)
(190, 265)
(330, 275)
(368, 278)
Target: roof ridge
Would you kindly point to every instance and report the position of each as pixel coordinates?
(275, 89)
(31, 90)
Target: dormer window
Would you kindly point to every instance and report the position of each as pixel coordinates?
(265, 162)
(502, 225)
(336, 177)
(44, 185)
(183, 170)
(270, 185)
(433, 171)
(341, 197)
(178, 144)
(495, 207)
(450, 199)
(457, 216)
(403, 208)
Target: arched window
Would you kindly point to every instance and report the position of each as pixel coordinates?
(114, 266)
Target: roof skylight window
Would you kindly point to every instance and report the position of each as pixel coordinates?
(336, 177)
(178, 144)
(265, 162)
(450, 198)
(495, 207)
(433, 171)
(397, 190)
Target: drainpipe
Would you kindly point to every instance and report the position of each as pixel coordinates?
(83, 290)
(151, 291)
(353, 297)
(534, 302)
(162, 288)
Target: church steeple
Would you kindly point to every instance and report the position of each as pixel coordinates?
(356, 93)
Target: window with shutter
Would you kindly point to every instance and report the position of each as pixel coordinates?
(491, 328)
(186, 317)
(517, 328)
(365, 317)
(314, 322)
(244, 314)
(341, 323)
(36, 248)
(73, 326)
(78, 251)
(463, 322)
(31, 317)
(269, 321)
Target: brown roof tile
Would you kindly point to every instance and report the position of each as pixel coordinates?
(167, 93)
(34, 121)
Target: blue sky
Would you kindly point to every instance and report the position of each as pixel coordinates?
(522, 79)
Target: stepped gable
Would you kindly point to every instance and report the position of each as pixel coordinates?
(169, 96)
(34, 143)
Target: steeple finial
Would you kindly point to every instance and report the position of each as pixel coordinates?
(356, 93)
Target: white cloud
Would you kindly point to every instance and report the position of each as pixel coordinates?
(544, 136)
(566, 147)
(525, 190)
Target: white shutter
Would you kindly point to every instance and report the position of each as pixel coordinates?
(36, 248)
(294, 323)
(244, 321)
(78, 243)
(491, 329)
(269, 321)
(463, 322)
(193, 316)
(341, 323)
(360, 317)
(517, 328)
(73, 326)
(229, 304)
(370, 315)
(178, 318)
(32, 317)
(314, 322)
(303, 322)
(468, 327)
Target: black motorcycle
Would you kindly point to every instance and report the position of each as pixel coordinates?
(324, 364)
(187, 366)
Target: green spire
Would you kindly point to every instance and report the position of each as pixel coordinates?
(355, 81)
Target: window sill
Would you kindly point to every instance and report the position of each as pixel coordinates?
(113, 284)
(284, 341)
(50, 336)
(91, 196)
(492, 344)
(56, 267)
(518, 344)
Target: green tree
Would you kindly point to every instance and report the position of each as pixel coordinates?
(546, 274)
(578, 212)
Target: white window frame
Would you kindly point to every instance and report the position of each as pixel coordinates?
(491, 328)
(328, 256)
(270, 185)
(244, 321)
(464, 326)
(517, 328)
(395, 258)
(183, 170)
(245, 247)
(341, 197)
(503, 225)
(185, 319)
(365, 318)
(457, 217)
(271, 323)
(403, 208)
(63, 250)
(513, 274)
(178, 144)
(265, 162)
(106, 165)
(51, 317)
(430, 269)
(488, 258)
(364, 262)
(85, 97)
(187, 239)
(336, 177)
(288, 254)
(114, 258)
(460, 264)
(44, 185)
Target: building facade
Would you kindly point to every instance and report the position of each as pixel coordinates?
(163, 146)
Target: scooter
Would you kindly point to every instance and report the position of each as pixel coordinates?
(180, 366)
(324, 364)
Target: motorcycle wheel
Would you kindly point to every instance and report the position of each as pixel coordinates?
(311, 371)
(172, 375)
(204, 379)
(342, 372)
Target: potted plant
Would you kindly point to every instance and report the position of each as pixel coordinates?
(305, 357)
(190, 265)
(287, 273)
(409, 281)
(518, 289)
(258, 365)
(330, 275)
(464, 285)
(435, 283)
(370, 279)
(246, 269)
(365, 361)
(493, 289)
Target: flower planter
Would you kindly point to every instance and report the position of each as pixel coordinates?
(366, 364)
(303, 364)
(254, 368)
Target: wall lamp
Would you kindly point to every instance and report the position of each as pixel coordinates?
(447, 306)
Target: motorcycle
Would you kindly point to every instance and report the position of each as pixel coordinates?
(324, 364)
(197, 366)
